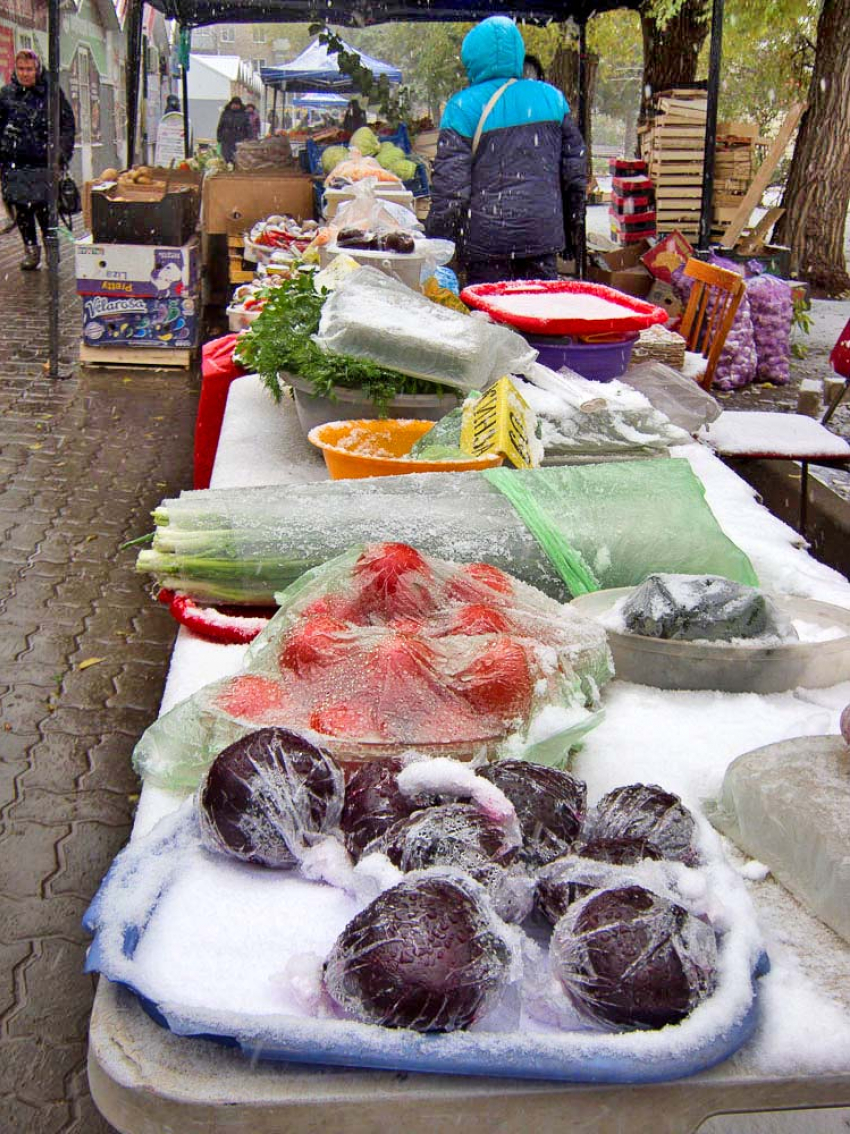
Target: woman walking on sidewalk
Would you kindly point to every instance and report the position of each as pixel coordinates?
(23, 149)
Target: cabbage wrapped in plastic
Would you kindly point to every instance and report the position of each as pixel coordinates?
(702, 608)
(426, 954)
(596, 864)
(268, 796)
(550, 805)
(649, 813)
(628, 958)
(373, 803)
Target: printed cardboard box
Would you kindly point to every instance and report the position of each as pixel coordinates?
(136, 321)
(137, 269)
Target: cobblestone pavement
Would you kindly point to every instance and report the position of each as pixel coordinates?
(82, 462)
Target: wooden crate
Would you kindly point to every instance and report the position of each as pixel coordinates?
(151, 358)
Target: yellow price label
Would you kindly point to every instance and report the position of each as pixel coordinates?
(500, 421)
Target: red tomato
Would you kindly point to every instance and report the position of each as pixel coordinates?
(499, 680)
(356, 722)
(478, 618)
(318, 641)
(474, 581)
(251, 698)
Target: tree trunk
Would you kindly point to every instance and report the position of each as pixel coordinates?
(563, 74)
(817, 192)
(671, 50)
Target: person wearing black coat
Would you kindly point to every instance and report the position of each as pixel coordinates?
(24, 175)
(234, 126)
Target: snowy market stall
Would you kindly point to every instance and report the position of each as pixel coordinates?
(796, 1042)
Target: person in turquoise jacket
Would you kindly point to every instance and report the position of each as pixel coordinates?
(513, 197)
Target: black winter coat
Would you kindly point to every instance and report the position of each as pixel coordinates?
(234, 126)
(23, 140)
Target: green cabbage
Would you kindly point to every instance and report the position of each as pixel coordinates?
(332, 156)
(364, 140)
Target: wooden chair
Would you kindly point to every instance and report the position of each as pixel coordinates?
(715, 297)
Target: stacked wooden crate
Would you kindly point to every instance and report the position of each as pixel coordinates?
(673, 146)
(734, 165)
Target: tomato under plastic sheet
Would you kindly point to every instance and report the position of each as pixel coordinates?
(637, 315)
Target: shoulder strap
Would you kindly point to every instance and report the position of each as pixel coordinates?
(485, 114)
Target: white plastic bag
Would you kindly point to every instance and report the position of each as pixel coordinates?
(375, 317)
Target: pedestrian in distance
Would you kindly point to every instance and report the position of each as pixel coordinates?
(234, 127)
(254, 119)
(355, 117)
(24, 176)
(510, 176)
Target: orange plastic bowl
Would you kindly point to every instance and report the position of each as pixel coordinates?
(361, 448)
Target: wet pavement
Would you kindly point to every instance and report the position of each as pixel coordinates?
(84, 653)
(83, 462)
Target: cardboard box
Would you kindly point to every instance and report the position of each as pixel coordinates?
(137, 269)
(134, 321)
(174, 177)
(667, 255)
(622, 269)
(250, 197)
(146, 218)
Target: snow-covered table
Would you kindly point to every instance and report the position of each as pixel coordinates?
(146, 1080)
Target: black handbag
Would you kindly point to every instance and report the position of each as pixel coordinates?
(69, 201)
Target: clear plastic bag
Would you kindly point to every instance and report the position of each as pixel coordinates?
(385, 650)
(681, 399)
(702, 608)
(372, 316)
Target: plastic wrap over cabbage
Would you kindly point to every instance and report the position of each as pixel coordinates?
(772, 310)
(384, 650)
(268, 796)
(550, 806)
(629, 958)
(649, 813)
(426, 954)
(702, 608)
(738, 360)
(374, 317)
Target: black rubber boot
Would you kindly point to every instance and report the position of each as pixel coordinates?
(32, 258)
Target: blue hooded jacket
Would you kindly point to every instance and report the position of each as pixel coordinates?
(523, 191)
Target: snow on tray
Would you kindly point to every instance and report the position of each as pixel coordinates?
(560, 305)
(225, 948)
(764, 434)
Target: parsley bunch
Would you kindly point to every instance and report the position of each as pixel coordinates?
(281, 340)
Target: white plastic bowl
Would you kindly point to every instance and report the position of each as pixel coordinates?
(667, 664)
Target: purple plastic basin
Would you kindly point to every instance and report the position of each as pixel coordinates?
(598, 361)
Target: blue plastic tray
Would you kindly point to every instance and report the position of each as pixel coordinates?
(582, 1057)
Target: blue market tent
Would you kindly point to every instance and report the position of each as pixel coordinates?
(320, 100)
(317, 69)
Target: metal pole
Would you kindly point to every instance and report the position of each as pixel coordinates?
(187, 141)
(53, 157)
(583, 112)
(715, 54)
(134, 42)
